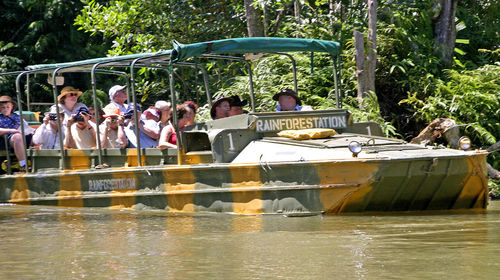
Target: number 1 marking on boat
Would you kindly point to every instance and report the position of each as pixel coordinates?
(231, 145)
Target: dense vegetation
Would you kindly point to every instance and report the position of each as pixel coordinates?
(413, 85)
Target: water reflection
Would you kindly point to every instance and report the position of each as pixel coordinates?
(48, 243)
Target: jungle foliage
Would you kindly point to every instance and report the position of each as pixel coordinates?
(412, 85)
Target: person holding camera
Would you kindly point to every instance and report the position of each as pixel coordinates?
(47, 135)
(68, 102)
(80, 132)
(112, 129)
(149, 130)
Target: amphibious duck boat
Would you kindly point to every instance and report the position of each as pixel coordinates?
(241, 165)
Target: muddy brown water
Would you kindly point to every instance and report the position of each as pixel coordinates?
(67, 243)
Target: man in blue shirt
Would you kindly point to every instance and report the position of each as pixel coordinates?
(288, 100)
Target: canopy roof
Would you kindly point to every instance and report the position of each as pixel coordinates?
(253, 45)
(123, 60)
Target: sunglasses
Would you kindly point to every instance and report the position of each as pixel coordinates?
(73, 94)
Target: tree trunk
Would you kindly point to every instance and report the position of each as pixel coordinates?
(445, 32)
(254, 23)
(371, 60)
(296, 8)
(360, 65)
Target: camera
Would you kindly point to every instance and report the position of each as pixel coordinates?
(128, 115)
(78, 118)
(52, 116)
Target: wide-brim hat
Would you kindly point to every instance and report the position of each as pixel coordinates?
(6, 98)
(53, 109)
(289, 92)
(114, 89)
(216, 103)
(112, 112)
(68, 90)
(236, 101)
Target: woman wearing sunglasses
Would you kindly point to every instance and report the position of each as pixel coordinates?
(68, 102)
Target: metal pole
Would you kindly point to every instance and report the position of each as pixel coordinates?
(134, 102)
(20, 108)
(96, 113)
(62, 163)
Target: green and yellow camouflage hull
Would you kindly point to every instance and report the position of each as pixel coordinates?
(319, 186)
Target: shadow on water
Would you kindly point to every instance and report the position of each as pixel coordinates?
(47, 243)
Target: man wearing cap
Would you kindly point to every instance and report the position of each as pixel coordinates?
(288, 100)
(47, 135)
(112, 130)
(80, 132)
(118, 97)
(237, 106)
(220, 108)
(149, 130)
(68, 101)
(10, 125)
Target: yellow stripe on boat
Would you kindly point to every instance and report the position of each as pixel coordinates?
(246, 201)
(70, 191)
(179, 184)
(21, 193)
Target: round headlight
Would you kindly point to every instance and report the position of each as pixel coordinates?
(464, 143)
(355, 148)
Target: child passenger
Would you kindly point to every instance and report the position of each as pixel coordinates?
(10, 125)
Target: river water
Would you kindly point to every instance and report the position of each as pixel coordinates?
(66, 243)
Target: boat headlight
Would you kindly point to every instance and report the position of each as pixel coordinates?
(464, 143)
(355, 148)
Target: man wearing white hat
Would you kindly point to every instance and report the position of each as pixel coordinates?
(118, 97)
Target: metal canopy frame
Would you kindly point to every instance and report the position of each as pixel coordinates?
(155, 61)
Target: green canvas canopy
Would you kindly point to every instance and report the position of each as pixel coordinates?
(253, 45)
(123, 60)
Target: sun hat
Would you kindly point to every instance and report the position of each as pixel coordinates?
(114, 89)
(6, 98)
(216, 103)
(162, 105)
(151, 111)
(68, 90)
(236, 101)
(289, 92)
(53, 110)
(131, 106)
(112, 111)
(84, 110)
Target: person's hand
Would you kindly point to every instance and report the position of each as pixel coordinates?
(86, 118)
(14, 131)
(107, 122)
(71, 120)
(121, 120)
(46, 119)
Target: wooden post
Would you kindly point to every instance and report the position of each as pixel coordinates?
(360, 65)
(371, 60)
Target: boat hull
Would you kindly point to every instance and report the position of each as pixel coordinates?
(332, 187)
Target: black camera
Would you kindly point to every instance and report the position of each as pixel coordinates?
(78, 118)
(52, 116)
(128, 115)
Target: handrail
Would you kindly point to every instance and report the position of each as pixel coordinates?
(96, 108)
